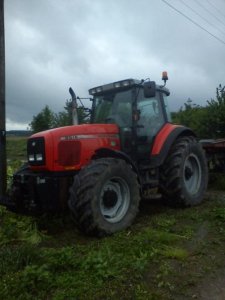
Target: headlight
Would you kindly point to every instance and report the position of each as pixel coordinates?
(39, 157)
(36, 151)
(31, 157)
(125, 82)
(117, 84)
(92, 91)
(99, 89)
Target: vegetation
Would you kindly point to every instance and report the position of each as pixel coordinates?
(166, 254)
(47, 119)
(16, 148)
(207, 121)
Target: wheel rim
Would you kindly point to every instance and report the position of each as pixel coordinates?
(192, 174)
(115, 199)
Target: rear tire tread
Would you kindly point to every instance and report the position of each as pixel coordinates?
(171, 185)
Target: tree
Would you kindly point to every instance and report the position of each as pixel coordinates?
(43, 121)
(64, 118)
(47, 119)
(215, 122)
(192, 116)
(208, 121)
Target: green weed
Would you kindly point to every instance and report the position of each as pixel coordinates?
(16, 257)
(15, 229)
(151, 235)
(16, 150)
(218, 214)
(174, 252)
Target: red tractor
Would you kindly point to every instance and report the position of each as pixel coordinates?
(101, 170)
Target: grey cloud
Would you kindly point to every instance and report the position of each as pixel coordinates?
(54, 44)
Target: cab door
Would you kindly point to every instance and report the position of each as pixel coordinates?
(152, 117)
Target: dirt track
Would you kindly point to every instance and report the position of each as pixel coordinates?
(212, 286)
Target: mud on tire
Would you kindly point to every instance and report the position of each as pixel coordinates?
(184, 174)
(104, 197)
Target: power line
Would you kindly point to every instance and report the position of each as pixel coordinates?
(192, 21)
(215, 8)
(203, 18)
(208, 11)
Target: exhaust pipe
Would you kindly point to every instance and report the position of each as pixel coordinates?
(74, 107)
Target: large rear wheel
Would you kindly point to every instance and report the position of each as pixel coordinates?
(105, 196)
(184, 174)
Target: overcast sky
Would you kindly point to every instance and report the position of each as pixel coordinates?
(54, 44)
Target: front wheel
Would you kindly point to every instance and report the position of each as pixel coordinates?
(184, 174)
(105, 196)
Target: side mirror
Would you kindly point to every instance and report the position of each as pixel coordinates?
(149, 89)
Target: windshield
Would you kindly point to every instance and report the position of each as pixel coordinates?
(114, 108)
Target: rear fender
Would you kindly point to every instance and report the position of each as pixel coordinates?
(164, 140)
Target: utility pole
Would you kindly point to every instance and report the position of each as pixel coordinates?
(3, 173)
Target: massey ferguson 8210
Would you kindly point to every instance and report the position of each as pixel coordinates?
(101, 170)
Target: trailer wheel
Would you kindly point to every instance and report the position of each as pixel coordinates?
(105, 197)
(184, 174)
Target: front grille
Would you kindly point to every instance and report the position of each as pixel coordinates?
(69, 153)
(36, 151)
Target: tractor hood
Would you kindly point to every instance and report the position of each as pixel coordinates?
(70, 147)
(68, 132)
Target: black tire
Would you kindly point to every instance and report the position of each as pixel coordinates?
(184, 174)
(105, 197)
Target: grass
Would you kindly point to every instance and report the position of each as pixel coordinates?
(16, 149)
(166, 254)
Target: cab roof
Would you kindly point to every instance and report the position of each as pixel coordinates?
(121, 85)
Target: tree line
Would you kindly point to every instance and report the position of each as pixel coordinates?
(47, 119)
(206, 121)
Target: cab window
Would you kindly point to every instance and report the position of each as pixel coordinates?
(151, 115)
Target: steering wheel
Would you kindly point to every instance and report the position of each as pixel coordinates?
(110, 120)
(116, 119)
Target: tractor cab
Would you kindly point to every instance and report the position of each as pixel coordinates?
(139, 108)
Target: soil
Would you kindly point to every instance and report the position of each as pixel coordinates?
(212, 285)
(213, 288)
(202, 276)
